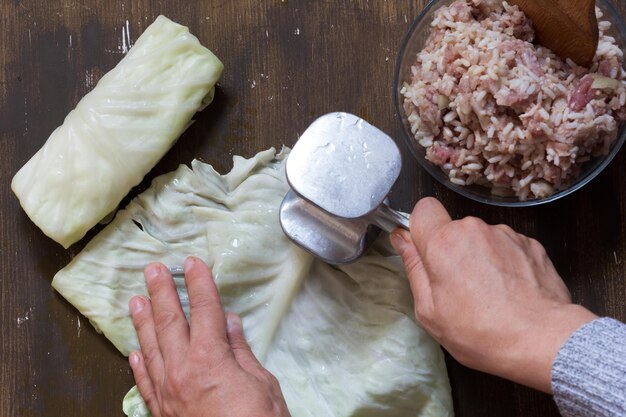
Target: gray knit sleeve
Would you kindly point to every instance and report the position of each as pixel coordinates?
(589, 372)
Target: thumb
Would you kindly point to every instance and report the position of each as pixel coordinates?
(241, 349)
(416, 272)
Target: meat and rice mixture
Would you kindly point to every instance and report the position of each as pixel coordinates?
(493, 109)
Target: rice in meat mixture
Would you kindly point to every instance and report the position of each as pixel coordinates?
(493, 109)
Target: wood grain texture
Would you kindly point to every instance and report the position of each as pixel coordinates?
(286, 63)
(568, 27)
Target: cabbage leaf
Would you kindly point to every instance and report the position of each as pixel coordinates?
(341, 340)
(117, 132)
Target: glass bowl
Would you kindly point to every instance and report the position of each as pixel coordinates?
(414, 42)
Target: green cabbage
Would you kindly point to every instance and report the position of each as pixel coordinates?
(117, 132)
(341, 340)
(133, 405)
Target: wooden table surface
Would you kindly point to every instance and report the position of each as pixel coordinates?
(286, 63)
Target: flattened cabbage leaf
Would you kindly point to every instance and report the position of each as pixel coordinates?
(117, 132)
(341, 340)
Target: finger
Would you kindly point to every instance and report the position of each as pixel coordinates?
(428, 216)
(170, 324)
(237, 340)
(507, 230)
(416, 273)
(141, 312)
(144, 383)
(208, 322)
(549, 278)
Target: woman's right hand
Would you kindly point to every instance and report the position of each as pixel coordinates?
(489, 295)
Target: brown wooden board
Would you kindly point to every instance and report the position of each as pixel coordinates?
(286, 63)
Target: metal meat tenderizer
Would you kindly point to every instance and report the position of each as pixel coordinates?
(340, 172)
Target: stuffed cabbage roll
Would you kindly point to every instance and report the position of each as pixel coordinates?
(117, 132)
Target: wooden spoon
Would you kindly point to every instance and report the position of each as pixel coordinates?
(568, 27)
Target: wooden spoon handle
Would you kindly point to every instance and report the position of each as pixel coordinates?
(567, 27)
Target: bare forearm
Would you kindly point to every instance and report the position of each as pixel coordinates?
(530, 360)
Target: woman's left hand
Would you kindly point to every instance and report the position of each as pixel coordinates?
(201, 369)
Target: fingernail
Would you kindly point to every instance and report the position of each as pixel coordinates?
(152, 271)
(397, 240)
(136, 305)
(233, 323)
(133, 359)
(189, 263)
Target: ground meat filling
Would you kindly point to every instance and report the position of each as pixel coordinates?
(492, 108)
